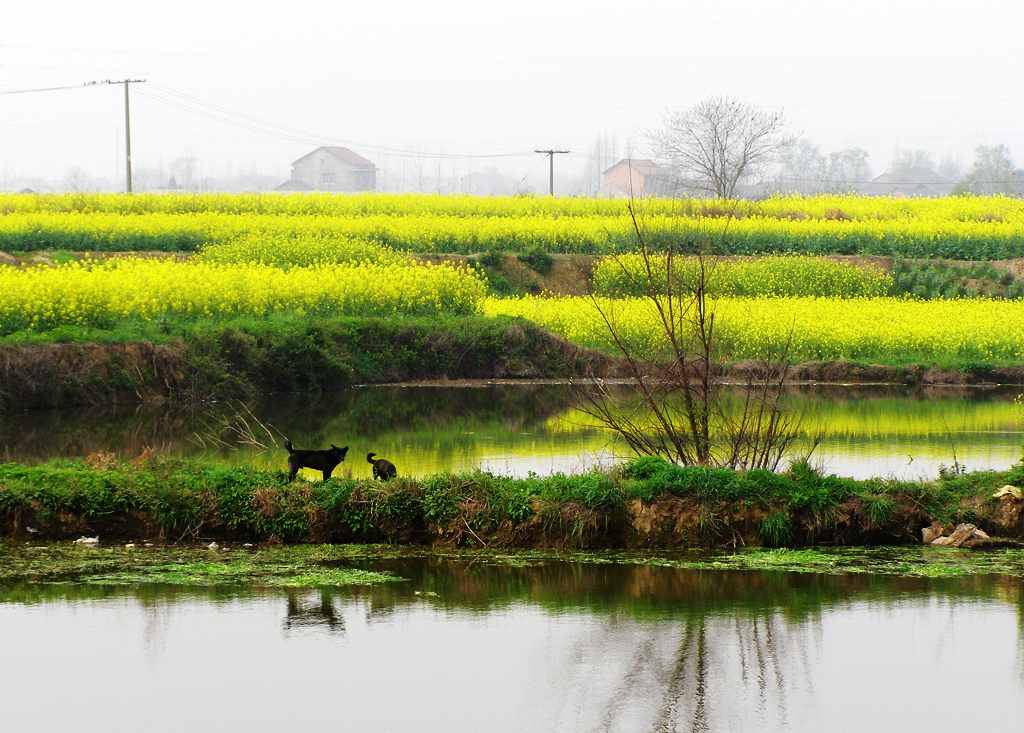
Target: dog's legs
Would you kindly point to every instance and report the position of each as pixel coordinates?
(293, 469)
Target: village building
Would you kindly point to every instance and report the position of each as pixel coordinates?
(637, 177)
(331, 168)
(915, 182)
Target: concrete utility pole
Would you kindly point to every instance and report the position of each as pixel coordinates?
(127, 125)
(551, 166)
(127, 115)
(127, 141)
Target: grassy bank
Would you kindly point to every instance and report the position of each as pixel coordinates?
(646, 503)
(189, 362)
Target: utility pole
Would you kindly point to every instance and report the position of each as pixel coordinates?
(127, 125)
(127, 141)
(127, 115)
(551, 166)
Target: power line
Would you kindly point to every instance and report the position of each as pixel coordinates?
(225, 115)
(127, 114)
(41, 89)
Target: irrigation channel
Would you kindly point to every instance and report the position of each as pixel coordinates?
(517, 428)
(507, 645)
(415, 639)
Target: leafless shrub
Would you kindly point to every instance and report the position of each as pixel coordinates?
(237, 426)
(684, 418)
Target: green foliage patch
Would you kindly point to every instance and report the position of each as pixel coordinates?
(180, 499)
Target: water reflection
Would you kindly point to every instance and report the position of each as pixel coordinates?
(315, 609)
(555, 646)
(516, 429)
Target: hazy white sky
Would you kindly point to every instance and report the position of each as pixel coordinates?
(480, 77)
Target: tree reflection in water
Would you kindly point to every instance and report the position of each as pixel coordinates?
(866, 430)
(596, 647)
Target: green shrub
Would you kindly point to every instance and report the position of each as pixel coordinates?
(537, 260)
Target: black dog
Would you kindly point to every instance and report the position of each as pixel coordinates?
(382, 467)
(324, 461)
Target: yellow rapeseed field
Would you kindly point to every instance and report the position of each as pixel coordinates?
(101, 295)
(286, 251)
(834, 207)
(887, 330)
(953, 227)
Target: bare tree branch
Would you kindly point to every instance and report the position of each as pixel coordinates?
(719, 142)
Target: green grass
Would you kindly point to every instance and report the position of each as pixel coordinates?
(180, 499)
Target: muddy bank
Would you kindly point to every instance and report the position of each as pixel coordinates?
(243, 360)
(645, 504)
(291, 355)
(843, 372)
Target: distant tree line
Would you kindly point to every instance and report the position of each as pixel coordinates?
(724, 147)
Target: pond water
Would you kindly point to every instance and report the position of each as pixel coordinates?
(518, 428)
(549, 646)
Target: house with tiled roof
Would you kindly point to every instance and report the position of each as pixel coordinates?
(331, 168)
(918, 181)
(637, 177)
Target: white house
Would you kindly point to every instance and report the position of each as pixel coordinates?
(331, 168)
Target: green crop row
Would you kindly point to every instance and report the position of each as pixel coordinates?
(776, 276)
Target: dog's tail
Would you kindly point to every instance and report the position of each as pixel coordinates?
(288, 445)
(369, 457)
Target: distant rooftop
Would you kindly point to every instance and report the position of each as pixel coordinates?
(643, 166)
(343, 154)
(914, 175)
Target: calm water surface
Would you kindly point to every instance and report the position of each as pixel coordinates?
(557, 646)
(518, 428)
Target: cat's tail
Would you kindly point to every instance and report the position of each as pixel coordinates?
(369, 457)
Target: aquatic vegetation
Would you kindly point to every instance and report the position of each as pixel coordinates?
(880, 330)
(50, 566)
(308, 566)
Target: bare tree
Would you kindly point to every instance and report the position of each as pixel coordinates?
(684, 418)
(719, 142)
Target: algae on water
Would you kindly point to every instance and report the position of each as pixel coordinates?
(302, 566)
(335, 566)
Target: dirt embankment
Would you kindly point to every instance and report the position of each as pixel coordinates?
(242, 362)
